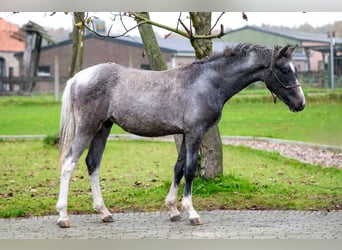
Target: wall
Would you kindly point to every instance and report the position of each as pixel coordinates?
(95, 51)
(315, 57)
(10, 61)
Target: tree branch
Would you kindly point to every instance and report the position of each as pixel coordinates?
(85, 23)
(217, 20)
(146, 20)
(187, 33)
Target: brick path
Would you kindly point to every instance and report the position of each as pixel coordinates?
(219, 224)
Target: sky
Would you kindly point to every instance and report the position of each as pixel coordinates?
(231, 20)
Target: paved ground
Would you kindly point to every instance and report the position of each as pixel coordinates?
(220, 224)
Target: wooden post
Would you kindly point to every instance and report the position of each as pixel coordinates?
(31, 59)
(10, 79)
(34, 35)
(56, 76)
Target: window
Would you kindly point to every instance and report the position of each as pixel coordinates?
(145, 66)
(2, 67)
(44, 70)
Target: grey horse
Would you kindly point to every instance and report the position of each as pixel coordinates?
(187, 100)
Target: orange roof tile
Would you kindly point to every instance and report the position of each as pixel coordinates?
(11, 38)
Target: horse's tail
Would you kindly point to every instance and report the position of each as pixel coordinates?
(67, 123)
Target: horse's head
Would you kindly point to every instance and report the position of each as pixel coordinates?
(281, 79)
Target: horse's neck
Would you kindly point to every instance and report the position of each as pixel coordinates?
(239, 75)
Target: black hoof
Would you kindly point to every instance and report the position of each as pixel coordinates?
(175, 218)
(107, 219)
(196, 221)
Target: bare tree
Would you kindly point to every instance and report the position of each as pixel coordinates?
(211, 164)
(154, 55)
(77, 43)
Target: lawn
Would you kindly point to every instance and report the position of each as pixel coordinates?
(250, 113)
(320, 122)
(136, 175)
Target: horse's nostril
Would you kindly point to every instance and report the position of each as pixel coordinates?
(301, 106)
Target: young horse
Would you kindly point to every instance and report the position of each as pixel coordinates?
(186, 100)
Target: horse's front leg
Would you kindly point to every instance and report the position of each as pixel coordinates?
(189, 174)
(171, 202)
(98, 203)
(93, 161)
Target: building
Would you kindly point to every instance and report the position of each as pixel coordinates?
(11, 42)
(313, 49)
(311, 55)
(127, 51)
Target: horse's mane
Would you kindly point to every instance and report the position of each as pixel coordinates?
(238, 51)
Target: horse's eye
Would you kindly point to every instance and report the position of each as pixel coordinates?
(285, 70)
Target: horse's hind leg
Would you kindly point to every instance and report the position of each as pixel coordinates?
(93, 161)
(171, 198)
(78, 146)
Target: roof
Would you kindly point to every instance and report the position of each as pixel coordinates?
(303, 36)
(34, 27)
(11, 38)
(179, 46)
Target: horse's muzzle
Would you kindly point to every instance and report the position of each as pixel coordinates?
(299, 107)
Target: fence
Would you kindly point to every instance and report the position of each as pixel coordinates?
(45, 84)
(318, 79)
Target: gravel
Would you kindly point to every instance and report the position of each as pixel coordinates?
(327, 156)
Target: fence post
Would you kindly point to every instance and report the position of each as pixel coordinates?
(331, 35)
(56, 76)
(10, 79)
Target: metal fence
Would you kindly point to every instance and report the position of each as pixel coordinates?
(318, 79)
(45, 84)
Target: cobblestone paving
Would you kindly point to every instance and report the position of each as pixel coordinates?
(219, 224)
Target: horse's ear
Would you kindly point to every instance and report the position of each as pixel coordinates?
(287, 50)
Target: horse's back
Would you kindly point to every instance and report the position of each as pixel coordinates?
(143, 102)
(148, 103)
(95, 74)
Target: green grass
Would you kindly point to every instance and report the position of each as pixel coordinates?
(29, 115)
(250, 113)
(136, 175)
(320, 122)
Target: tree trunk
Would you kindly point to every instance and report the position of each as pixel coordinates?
(154, 55)
(211, 164)
(77, 45)
(211, 149)
(153, 52)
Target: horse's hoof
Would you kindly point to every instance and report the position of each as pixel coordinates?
(63, 223)
(175, 218)
(196, 221)
(108, 218)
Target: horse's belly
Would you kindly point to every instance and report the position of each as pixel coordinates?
(149, 123)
